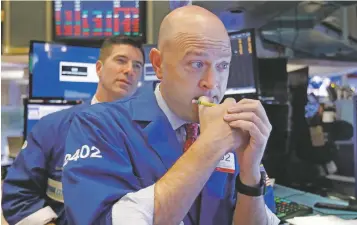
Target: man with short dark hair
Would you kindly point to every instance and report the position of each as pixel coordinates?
(118, 53)
(32, 190)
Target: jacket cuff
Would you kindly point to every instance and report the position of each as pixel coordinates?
(40, 217)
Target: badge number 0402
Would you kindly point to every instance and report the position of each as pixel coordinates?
(82, 153)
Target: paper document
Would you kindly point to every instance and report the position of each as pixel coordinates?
(323, 220)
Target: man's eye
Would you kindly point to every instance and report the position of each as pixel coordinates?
(223, 66)
(197, 65)
(137, 66)
(121, 61)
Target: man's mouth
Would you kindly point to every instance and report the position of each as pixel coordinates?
(125, 81)
(213, 99)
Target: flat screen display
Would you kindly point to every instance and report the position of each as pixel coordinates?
(36, 109)
(62, 71)
(242, 72)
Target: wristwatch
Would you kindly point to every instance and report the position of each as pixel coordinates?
(251, 191)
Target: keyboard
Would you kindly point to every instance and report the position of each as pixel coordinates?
(286, 209)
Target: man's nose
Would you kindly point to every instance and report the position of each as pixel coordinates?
(129, 70)
(209, 81)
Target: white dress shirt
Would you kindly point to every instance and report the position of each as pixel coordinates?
(137, 208)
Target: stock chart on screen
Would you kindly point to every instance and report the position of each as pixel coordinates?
(96, 19)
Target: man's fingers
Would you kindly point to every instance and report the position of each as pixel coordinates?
(250, 127)
(248, 116)
(229, 102)
(251, 106)
(247, 100)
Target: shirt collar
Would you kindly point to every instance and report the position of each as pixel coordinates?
(174, 120)
(94, 100)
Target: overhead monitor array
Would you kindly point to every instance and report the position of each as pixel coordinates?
(94, 20)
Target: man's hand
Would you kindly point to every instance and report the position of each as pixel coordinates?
(214, 130)
(249, 115)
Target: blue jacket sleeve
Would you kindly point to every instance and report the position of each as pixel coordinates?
(24, 187)
(97, 170)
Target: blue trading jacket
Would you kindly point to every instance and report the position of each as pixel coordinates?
(116, 148)
(34, 180)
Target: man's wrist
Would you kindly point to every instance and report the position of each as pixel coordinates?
(206, 142)
(250, 177)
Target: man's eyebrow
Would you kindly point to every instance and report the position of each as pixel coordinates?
(124, 56)
(120, 55)
(195, 53)
(205, 54)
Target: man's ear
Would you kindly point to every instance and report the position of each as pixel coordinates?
(98, 67)
(155, 58)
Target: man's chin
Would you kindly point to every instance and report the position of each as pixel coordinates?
(121, 93)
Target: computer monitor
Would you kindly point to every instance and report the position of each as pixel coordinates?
(62, 71)
(243, 68)
(273, 80)
(94, 20)
(35, 109)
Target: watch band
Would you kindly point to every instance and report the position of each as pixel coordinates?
(251, 191)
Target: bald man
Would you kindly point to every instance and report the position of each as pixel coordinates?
(141, 161)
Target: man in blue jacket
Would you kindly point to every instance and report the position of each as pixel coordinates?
(140, 160)
(32, 190)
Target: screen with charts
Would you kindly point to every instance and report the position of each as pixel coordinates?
(36, 109)
(62, 71)
(148, 73)
(97, 19)
(242, 71)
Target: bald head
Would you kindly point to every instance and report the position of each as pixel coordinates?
(188, 23)
(192, 60)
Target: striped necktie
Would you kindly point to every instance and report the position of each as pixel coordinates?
(191, 135)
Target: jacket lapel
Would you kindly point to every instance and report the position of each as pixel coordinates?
(160, 135)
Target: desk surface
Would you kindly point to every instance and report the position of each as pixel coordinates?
(309, 199)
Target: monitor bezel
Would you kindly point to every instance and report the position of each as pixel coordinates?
(98, 41)
(28, 101)
(32, 42)
(255, 61)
